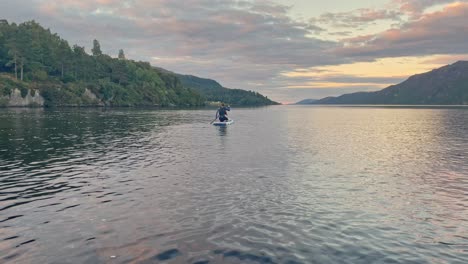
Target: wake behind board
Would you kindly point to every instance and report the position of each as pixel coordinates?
(229, 122)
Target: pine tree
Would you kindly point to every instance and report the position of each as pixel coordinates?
(96, 48)
(121, 54)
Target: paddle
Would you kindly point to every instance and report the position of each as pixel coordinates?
(214, 119)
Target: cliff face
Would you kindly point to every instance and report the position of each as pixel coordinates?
(447, 85)
(32, 98)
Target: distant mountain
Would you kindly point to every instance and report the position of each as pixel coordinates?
(447, 85)
(215, 92)
(306, 101)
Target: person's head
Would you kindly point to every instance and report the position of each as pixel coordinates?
(222, 104)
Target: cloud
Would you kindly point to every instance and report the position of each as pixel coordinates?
(249, 32)
(353, 79)
(341, 33)
(336, 78)
(442, 32)
(356, 18)
(446, 59)
(415, 8)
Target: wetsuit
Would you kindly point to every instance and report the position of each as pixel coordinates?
(222, 112)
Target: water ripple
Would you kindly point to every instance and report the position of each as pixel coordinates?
(334, 185)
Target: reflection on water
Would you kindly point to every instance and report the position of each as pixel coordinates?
(300, 185)
(223, 130)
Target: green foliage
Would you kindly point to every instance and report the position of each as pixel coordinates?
(24, 91)
(51, 96)
(39, 75)
(62, 73)
(6, 90)
(8, 84)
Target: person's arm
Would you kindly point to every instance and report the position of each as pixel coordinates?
(217, 111)
(228, 108)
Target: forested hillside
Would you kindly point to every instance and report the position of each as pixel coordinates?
(33, 58)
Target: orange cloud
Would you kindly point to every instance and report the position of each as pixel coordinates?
(416, 7)
(440, 32)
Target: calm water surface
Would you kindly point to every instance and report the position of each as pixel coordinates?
(286, 184)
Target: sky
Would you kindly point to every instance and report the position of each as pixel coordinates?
(287, 50)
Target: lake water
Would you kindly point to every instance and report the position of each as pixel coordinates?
(284, 184)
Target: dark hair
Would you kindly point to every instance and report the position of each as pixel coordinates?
(222, 104)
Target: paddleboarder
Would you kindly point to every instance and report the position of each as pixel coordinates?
(222, 113)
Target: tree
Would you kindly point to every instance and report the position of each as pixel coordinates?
(13, 51)
(96, 48)
(119, 72)
(4, 28)
(64, 55)
(79, 56)
(121, 54)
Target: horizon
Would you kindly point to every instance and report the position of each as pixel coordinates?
(286, 50)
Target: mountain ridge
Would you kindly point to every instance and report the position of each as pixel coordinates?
(447, 85)
(306, 101)
(213, 91)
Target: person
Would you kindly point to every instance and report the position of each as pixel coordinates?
(222, 113)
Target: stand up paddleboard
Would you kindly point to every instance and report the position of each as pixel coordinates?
(229, 122)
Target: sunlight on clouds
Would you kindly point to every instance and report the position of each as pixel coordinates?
(387, 67)
(401, 67)
(441, 7)
(309, 85)
(436, 8)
